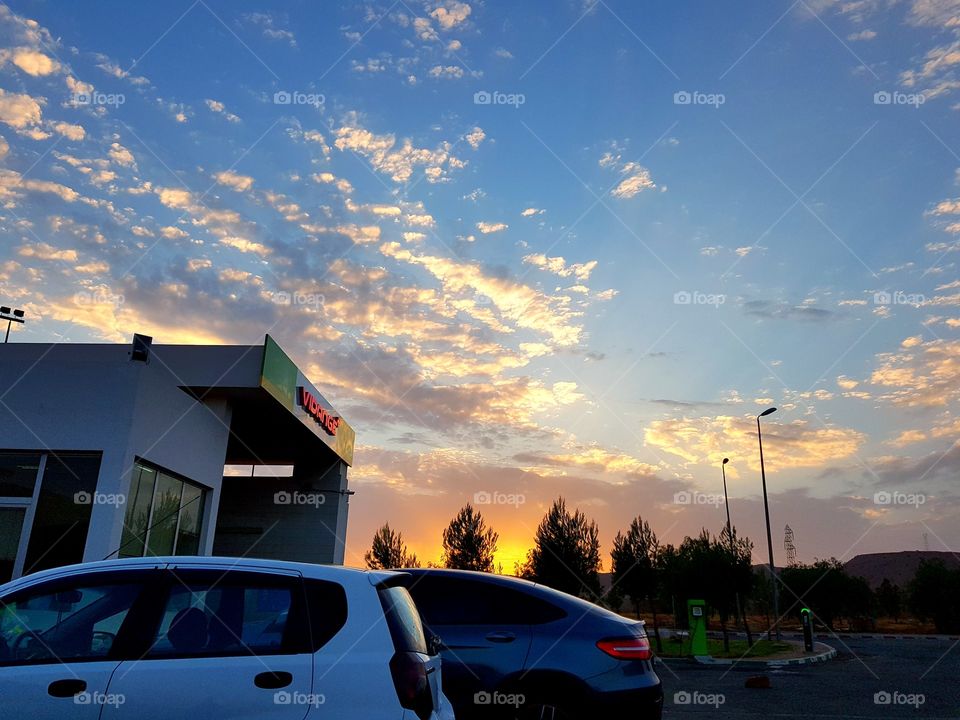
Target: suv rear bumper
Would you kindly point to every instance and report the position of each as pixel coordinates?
(641, 703)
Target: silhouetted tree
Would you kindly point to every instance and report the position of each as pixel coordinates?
(635, 568)
(468, 544)
(935, 595)
(889, 599)
(389, 551)
(566, 553)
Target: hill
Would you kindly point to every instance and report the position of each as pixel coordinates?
(898, 567)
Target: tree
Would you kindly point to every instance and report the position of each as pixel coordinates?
(933, 595)
(889, 599)
(468, 544)
(566, 553)
(827, 589)
(635, 567)
(389, 551)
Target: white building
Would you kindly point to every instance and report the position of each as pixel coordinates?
(117, 450)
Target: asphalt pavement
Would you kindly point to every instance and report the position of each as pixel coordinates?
(869, 678)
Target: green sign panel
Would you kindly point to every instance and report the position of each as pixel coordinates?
(290, 387)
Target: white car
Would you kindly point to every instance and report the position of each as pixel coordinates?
(221, 638)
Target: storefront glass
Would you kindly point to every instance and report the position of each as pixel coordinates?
(163, 516)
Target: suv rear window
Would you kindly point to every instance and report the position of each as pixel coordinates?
(460, 601)
(403, 619)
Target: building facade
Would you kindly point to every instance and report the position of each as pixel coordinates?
(120, 451)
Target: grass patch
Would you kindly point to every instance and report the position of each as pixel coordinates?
(738, 648)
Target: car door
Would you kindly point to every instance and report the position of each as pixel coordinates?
(222, 644)
(60, 642)
(482, 640)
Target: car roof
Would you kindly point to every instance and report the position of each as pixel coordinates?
(309, 570)
(557, 597)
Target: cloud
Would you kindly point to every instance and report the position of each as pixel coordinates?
(397, 160)
(786, 311)
(797, 444)
(531, 211)
(268, 26)
(12, 184)
(475, 137)
(218, 107)
(519, 304)
(920, 374)
(488, 227)
(638, 179)
(121, 156)
(32, 62)
(558, 266)
(449, 72)
(21, 112)
(234, 181)
(862, 35)
(45, 251)
(451, 14)
(71, 132)
(245, 246)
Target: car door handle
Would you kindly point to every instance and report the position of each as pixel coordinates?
(273, 680)
(501, 636)
(66, 688)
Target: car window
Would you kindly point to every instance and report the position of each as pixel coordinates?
(403, 619)
(462, 601)
(223, 618)
(78, 622)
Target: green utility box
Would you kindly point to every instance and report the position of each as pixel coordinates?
(697, 623)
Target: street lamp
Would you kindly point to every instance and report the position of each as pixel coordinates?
(766, 512)
(733, 550)
(726, 500)
(11, 316)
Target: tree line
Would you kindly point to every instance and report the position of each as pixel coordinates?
(659, 578)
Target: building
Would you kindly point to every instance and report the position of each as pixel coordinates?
(120, 450)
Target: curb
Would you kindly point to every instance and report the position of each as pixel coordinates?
(824, 653)
(716, 634)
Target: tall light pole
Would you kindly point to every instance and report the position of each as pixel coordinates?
(11, 316)
(766, 512)
(726, 500)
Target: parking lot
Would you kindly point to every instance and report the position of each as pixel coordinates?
(844, 687)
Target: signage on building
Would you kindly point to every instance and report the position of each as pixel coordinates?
(328, 421)
(280, 377)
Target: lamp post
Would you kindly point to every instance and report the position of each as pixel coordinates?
(766, 512)
(726, 500)
(733, 551)
(11, 316)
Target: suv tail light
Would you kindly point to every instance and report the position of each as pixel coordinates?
(413, 688)
(635, 647)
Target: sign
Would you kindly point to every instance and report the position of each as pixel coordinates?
(328, 421)
(280, 377)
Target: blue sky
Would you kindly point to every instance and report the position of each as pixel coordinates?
(665, 220)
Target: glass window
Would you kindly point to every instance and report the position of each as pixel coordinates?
(406, 628)
(11, 524)
(164, 515)
(18, 474)
(226, 619)
(191, 515)
(456, 601)
(137, 519)
(59, 531)
(79, 622)
(166, 509)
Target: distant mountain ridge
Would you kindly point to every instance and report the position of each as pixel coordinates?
(898, 567)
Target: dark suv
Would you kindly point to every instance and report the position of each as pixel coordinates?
(512, 648)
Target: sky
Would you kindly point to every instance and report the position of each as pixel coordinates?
(528, 250)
